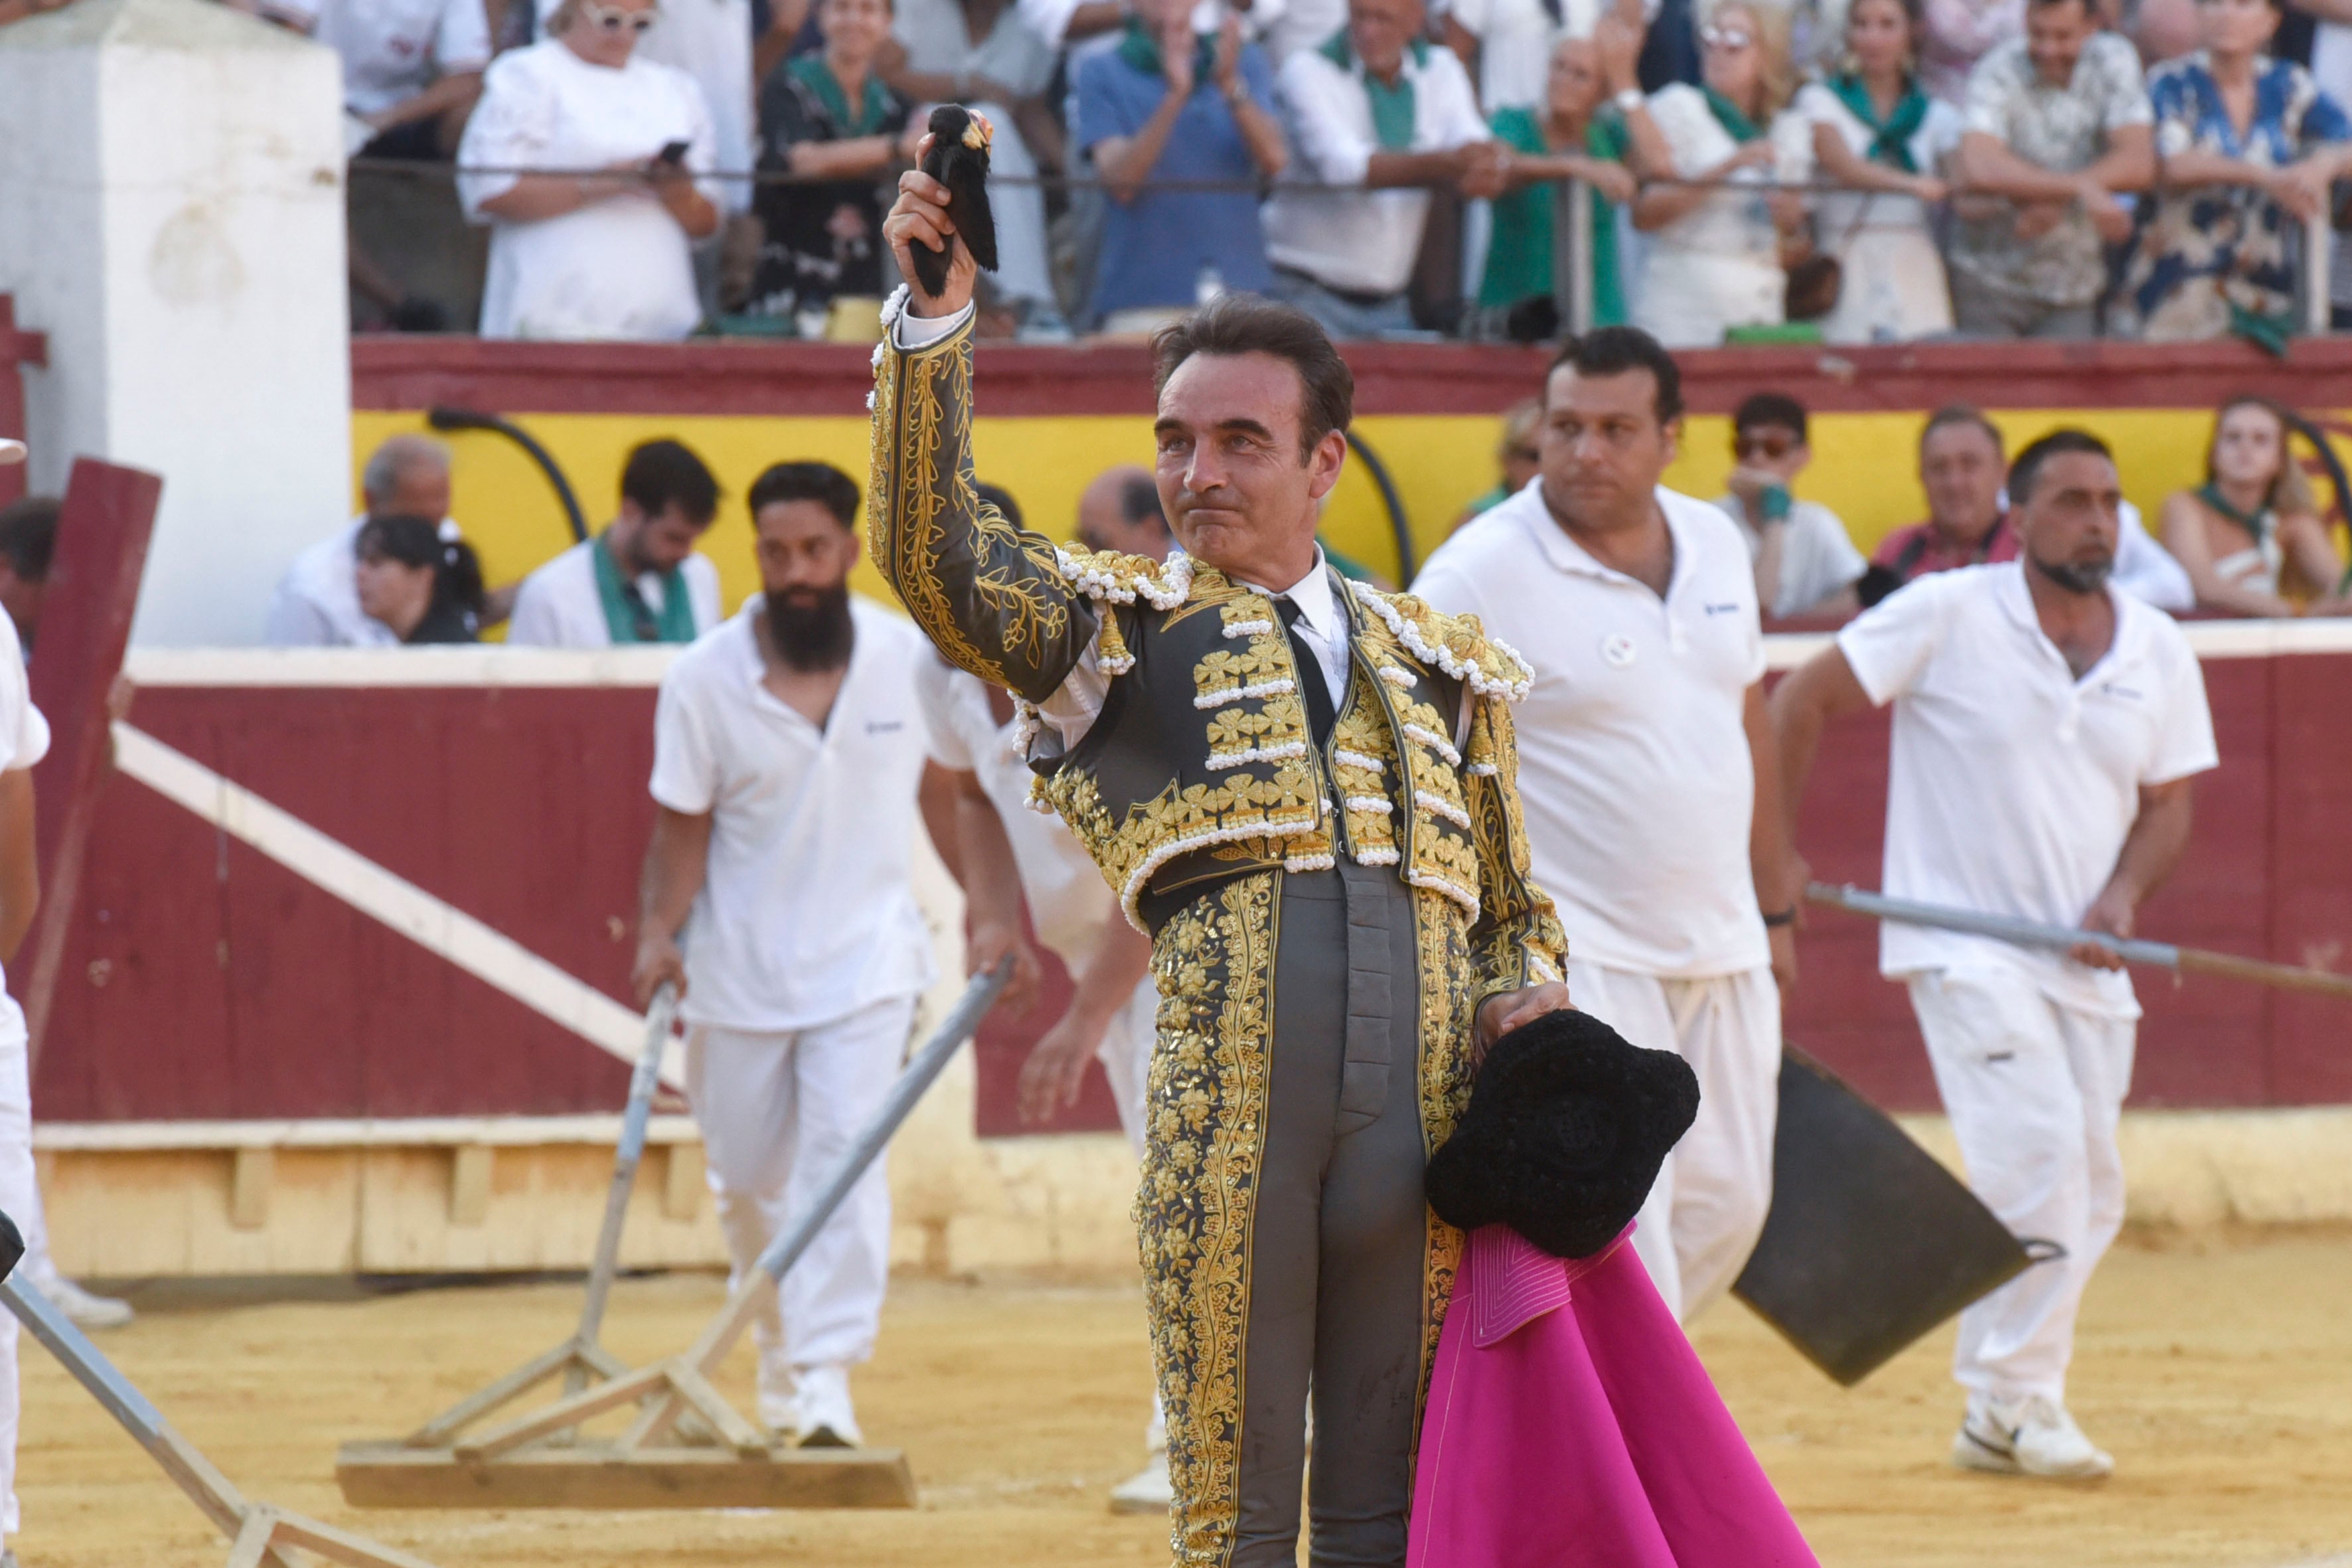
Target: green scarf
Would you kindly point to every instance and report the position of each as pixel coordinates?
(1890, 139)
(1141, 50)
(1728, 115)
(2258, 525)
(624, 611)
(812, 72)
(1393, 107)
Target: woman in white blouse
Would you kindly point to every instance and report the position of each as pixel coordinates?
(594, 243)
(1715, 254)
(1877, 135)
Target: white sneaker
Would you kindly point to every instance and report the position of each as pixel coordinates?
(825, 1418)
(1147, 1490)
(83, 1309)
(2030, 1437)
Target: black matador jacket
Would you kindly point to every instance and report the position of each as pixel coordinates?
(1196, 791)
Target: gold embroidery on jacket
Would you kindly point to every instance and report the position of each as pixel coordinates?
(1205, 1109)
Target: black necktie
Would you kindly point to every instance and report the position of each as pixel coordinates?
(1313, 690)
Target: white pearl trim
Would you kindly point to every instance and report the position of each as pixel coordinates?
(1247, 628)
(1437, 805)
(1348, 759)
(1435, 743)
(1464, 670)
(1132, 892)
(1258, 754)
(1175, 584)
(1381, 854)
(1541, 968)
(1308, 863)
(1225, 697)
(1396, 675)
(1437, 884)
(1483, 770)
(1377, 805)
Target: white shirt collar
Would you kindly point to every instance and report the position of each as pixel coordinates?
(1312, 595)
(1560, 548)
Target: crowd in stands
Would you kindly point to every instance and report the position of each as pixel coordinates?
(2249, 542)
(1750, 170)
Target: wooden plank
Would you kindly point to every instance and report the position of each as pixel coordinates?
(386, 1475)
(95, 570)
(252, 1172)
(685, 1178)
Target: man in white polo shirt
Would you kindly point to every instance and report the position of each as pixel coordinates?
(1647, 774)
(2046, 727)
(641, 580)
(788, 750)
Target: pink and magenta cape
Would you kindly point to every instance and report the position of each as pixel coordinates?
(1570, 1425)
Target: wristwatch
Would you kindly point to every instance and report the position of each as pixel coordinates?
(1628, 99)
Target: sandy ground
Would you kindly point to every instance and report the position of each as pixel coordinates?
(2221, 1378)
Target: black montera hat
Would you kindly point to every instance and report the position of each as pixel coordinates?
(1567, 1127)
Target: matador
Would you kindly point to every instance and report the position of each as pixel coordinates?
(1303, 789)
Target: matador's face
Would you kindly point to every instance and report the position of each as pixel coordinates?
(1239, 494)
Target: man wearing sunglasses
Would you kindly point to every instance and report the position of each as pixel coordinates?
(1805, 564)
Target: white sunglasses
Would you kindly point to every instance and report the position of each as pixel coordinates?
(612, 18)
(1713, 36)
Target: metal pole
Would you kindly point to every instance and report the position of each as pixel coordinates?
(1571, 253)
(630, 1150)
(2318, 259)
(2032, 933)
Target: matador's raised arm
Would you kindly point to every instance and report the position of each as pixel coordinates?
(990, 595)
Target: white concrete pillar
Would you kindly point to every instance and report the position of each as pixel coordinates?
(171, 215)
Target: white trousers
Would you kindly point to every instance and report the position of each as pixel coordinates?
(778, 1112)
(1702, 1219)
(1126, 1055)
(2035, 1091)
(20, 1199)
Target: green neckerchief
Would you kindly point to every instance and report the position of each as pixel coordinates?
(2258, 525)
(1890, 139)
(2268, 332)
(812, 72)
(1141, 50)
(1393, 107)
(1726, 114)
(626, 612)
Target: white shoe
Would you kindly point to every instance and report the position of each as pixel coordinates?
(2030, 1437)
(1147, 1490)
(825, 1417)
(83, 1309)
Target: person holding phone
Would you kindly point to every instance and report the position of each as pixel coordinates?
(590, 168)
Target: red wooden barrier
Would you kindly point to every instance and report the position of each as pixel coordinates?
(203, 979)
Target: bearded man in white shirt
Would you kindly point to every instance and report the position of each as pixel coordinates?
(2046, 727)
(1648, 775)
(641, 580)
(788, 752)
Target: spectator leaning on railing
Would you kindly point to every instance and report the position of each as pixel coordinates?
(1714, 256)
(1166, 104)
(600, 252)
(1877, 135)
(1592, 114)
(2252, 519)
(1382, 112)
(828, 120)
(1805, 563)
(2247, 142)
(2056, 125)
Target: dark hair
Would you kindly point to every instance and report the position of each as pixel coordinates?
(660, 474)
(456, 570)
(1001, 499)
(1139, 501)
(1234, 324)
(28, 532)
(1915, 17)
(1621, 351)
(1770, 410)
(2028, 467)
(2090, 9)
(820, 482)
(1961, 413)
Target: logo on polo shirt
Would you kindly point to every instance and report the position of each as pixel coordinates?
(2111, 689)
(884, 726)
(1730, 609)
(1617, 649)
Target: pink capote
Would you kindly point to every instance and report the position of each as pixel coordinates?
(1569, 1425)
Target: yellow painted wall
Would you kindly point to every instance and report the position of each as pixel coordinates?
(1862, 469)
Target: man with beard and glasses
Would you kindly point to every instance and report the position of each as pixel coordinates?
(788, 751)
(2046, 725)
(641, 580)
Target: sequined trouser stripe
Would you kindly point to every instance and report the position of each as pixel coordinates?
(1318, 1180)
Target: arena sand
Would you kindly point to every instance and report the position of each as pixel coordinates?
(2220, 1376)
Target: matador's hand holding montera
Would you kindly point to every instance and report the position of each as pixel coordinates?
(919, 215)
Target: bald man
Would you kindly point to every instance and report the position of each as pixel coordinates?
(1119, 510)
(317, 603)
